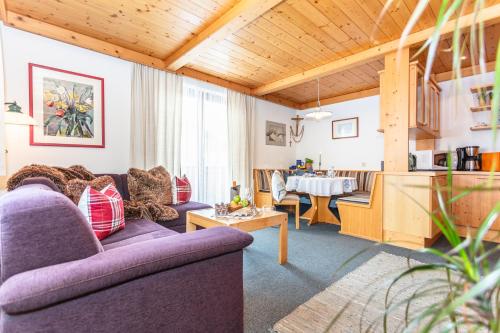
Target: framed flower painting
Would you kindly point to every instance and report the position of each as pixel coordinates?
(68, 106)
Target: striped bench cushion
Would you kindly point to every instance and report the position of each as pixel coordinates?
(362, 198)
(364, 178)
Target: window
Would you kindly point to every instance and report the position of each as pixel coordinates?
(204, 141)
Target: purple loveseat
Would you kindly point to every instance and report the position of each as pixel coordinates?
(57, 277)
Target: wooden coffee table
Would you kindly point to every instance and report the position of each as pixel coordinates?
(206, 218)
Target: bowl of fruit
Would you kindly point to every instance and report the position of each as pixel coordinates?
(238, 203)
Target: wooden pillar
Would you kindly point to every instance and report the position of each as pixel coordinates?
(395, 94)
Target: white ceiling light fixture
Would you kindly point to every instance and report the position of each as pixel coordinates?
(318, 114)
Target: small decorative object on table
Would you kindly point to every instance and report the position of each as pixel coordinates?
(235, 189)
(309, 164)
(249, 211)
(221, 209)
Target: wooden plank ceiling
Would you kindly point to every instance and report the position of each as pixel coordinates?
(285, 38)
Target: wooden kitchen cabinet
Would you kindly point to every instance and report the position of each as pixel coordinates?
(406, 223)
(471, 211)
(424, 112)
(424, 105)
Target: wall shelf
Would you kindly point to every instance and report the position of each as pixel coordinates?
(479, 88)
(480, 108)
(482, 128)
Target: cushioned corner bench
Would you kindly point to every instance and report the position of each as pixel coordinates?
(361, 213)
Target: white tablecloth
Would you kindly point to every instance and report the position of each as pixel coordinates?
(322, 186)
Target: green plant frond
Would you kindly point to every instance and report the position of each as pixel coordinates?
(495, 103)
(457, 46)
(434, 39)
(418, 268)
(484, 256)
(450, 233)
(337, 316)
(488, 282)
(356, 255)
(442, 10)
(485, 227)
(453, 260)
(449, 176)
(415, 16)
(443, 206)
(476, 40)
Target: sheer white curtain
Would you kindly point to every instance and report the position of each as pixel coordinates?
(241, 110)
(156, 119)
(204, 141)
(3, 161)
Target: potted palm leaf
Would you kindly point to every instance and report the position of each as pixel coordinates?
(463, 282)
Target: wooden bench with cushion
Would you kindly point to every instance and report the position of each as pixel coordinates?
(361, 212)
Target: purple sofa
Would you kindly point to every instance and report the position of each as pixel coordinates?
(179, 224)
(57, 277)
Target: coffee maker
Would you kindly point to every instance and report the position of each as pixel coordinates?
(468, 158)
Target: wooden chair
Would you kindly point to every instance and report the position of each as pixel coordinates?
(361, 215)
(289, 200)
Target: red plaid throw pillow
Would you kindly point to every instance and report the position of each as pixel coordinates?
(103, 210)
(181, 190)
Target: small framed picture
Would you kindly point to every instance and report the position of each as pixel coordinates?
(345, 128)
(275, 134)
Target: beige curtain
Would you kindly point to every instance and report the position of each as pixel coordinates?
(241, 118)
(155, 119)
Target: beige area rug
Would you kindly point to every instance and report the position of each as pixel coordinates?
(365, 288)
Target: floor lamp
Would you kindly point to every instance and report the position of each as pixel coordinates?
(14, 116)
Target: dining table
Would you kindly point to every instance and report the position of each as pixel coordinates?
(320, 190)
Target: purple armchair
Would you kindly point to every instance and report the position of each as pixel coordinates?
(57, 277)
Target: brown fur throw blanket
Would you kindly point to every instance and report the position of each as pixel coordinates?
(72, 182)
(75, 187)
(154, 189)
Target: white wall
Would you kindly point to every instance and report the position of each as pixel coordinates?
(456, 118)
(362, 153)
(21, 48)
(272, 157)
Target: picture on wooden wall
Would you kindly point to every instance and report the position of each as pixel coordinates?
(68, 106)
(275, 134)
(345, 128)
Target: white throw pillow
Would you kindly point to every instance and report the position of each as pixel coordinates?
(278, 186)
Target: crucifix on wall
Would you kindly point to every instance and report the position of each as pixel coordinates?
(297, 135)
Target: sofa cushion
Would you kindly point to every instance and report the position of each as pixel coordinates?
(152, 185)
(120, 183)
(278, 186)
(103, 210)
(133, 228)
(182, 210)
(40, 227)
(181, 190)
(136, 231)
